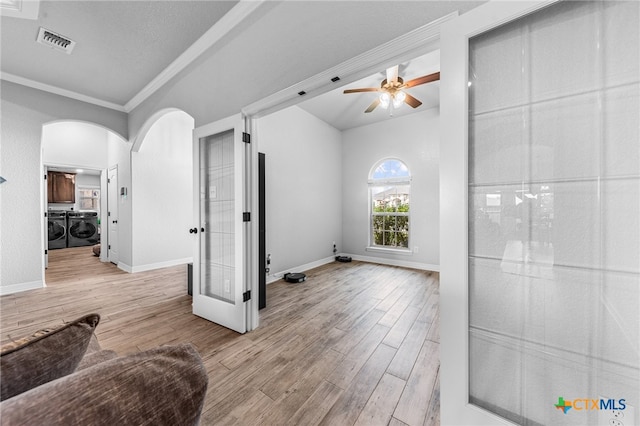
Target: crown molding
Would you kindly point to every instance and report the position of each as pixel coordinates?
(237, 14)
(408, 46)
(229, 21)
(24, 9)
(58, 91)
(415, 43)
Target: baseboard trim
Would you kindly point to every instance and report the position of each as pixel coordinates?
(159, 265)
(302, 268)
(16, 288)
(125, 267)
(395, 262)
(392, 262)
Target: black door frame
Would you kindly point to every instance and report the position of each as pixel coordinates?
(262, 241)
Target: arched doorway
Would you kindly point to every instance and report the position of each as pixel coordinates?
(79, 153)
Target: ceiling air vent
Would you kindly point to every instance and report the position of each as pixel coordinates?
(55, 41)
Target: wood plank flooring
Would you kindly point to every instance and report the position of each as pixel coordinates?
(356, 344)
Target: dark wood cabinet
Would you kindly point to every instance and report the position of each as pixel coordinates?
(61, 187)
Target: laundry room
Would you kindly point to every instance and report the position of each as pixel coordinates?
(73, 208)
(74, 194)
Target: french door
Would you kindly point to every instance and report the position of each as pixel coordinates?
(540, 208)
(220, 286)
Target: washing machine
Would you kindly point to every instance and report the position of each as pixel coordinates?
(57, 229)
(82, 228)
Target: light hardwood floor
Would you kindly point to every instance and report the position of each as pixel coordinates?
(357, 343)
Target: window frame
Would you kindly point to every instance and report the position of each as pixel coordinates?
(392, 182)
(91, 188)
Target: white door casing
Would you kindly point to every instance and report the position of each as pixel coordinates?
(454, 328)
(112, 215)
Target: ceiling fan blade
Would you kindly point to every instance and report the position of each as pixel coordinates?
(392, 74)
(365, 89)
(411, 101)
(373, 105)
(422, 80)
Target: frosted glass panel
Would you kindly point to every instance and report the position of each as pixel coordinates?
(554, 213)
(620, 45)
(497, 63)
(622, 129)
(565, 133)
(217, 210)
(501, 138)
(562, 44)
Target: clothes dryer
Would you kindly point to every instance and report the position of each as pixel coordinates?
(57, 229)
(82, 228)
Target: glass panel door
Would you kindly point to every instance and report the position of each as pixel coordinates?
(218, 266)
(540, 237)
(553, 246)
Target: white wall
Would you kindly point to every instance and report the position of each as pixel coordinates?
(74, 144)
(24, 111)
(162, 182)
(87, 180)
(119, 154)
(317, 192)
(303, 188)
(414, 139)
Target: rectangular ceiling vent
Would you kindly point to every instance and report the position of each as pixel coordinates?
(55, 41)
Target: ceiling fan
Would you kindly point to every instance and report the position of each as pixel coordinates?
(392, 88)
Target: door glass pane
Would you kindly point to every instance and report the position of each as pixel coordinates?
(217, 200)
(554, 214)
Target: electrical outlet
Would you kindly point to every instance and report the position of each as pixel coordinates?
(227, 286)
(617, 417)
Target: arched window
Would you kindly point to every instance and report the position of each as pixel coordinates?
(389, 200)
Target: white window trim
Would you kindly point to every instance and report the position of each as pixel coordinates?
(389, 250)
(404, 180)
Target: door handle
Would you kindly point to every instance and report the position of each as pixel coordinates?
(114, 221)
(193, 230)
(201, 229)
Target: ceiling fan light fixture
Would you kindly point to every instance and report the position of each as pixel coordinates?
(385, 99)
(392, 95)
(398, 99)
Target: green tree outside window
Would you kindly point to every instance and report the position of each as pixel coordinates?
(389, 192)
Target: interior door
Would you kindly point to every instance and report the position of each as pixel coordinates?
(540, 263)
(455, 402)
(112, 215)
(219, 276)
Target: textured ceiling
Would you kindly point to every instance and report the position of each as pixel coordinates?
(121, 45)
